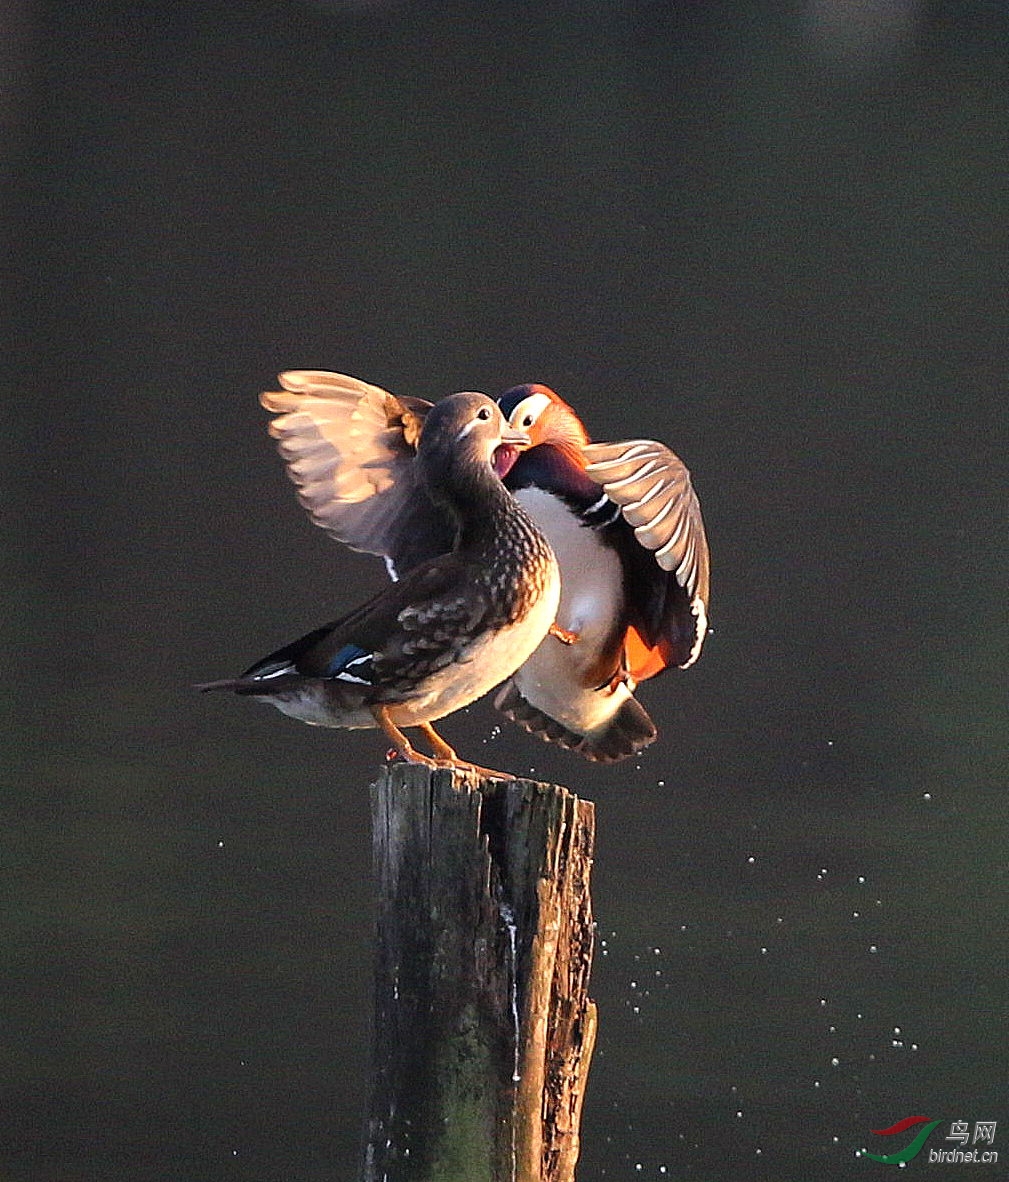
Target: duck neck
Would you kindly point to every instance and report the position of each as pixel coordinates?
(484, 512)
(495, 536)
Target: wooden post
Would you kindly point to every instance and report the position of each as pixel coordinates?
(483, 1026)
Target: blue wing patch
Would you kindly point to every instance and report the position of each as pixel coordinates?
(352, 663)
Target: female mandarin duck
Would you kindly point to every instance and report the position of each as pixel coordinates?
(448, 631)
(633, 553)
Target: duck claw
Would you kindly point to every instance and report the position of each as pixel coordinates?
(452, 765)
(463, 765)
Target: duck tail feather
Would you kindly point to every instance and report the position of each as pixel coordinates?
(627, 731)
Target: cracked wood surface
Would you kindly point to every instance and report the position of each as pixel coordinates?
(483, 1026)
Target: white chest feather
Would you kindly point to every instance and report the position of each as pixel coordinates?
(558, 678)
(591, 576)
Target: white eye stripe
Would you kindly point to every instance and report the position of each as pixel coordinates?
(475, 421)
(529, 410)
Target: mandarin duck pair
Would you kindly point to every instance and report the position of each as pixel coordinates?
(519, 553)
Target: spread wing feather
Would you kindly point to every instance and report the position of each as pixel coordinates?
(652, 487)
(349, 447)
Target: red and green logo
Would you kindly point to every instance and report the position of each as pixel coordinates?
(909, 1151)
(959, 1130)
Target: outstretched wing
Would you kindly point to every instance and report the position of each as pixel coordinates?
(652, 487)
(350, 448)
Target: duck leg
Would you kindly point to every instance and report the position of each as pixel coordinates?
(447, 757)
(401, 743)
(441, 749)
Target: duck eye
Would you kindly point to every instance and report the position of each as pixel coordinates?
(483, 413)
(527, 421)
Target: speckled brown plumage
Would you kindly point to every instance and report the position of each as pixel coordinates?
(454, 625)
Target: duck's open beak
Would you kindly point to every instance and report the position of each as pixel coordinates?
(515, 438)
(507, 451)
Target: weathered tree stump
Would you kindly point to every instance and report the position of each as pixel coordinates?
(483, 1026)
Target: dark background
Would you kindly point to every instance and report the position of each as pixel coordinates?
(773, 236)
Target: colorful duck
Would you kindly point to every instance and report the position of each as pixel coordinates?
(457, 622)
(623, 518)
(634, 577)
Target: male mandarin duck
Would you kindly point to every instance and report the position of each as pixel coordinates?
(457, 622)
(634, 577)
(623, 519)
